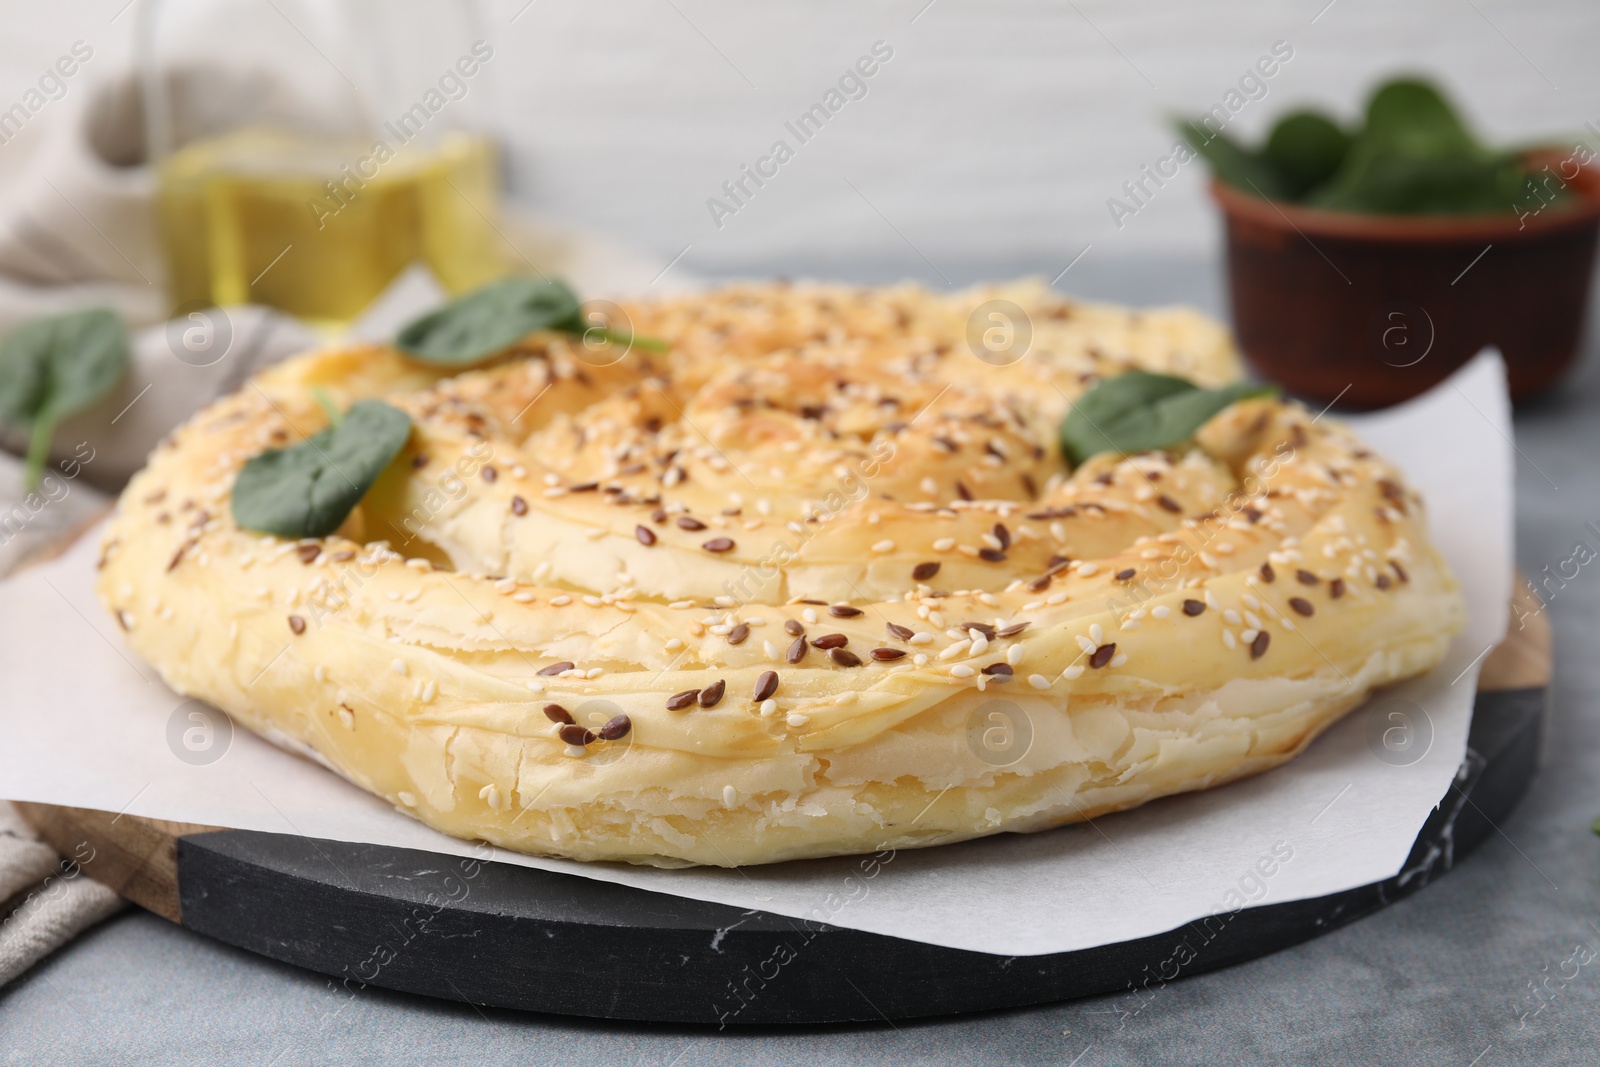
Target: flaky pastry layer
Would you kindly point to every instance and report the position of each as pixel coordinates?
(827, 561)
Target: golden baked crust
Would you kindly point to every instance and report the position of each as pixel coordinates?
(1015, 645)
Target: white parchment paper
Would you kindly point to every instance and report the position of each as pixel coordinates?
(84, 722)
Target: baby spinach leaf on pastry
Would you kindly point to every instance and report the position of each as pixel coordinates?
(1141, 412)
(54, 367)
(308, 489)
(491, 319)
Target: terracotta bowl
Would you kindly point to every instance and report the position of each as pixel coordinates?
(1375, 309)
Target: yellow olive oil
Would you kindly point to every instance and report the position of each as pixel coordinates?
(319, 228)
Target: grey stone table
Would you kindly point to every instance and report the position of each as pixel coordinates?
(1444, 977)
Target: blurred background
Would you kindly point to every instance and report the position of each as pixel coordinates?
(990, 142)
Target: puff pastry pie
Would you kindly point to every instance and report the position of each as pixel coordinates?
(814, 581)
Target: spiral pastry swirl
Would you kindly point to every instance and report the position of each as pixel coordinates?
(815, 580)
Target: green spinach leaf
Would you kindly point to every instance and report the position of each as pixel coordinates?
(1140, 412)
(1234, 164)
(308, 489)
(54, 367)
(1413, 155)
(491, 319)
(1306, 148)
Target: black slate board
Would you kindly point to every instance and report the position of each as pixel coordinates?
(509, 936)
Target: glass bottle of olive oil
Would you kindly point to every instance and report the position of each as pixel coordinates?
(319, 226)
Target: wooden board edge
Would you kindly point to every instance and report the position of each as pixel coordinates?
(135, 857)
(1523, 660)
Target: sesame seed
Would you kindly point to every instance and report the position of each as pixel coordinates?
(769, 708)
(795, 719)
(1086, 644)
(1038, 681)
(730, 796)
(1160, 611)
(1229, 640)
(1073, 672)
(560, 601)
(883, 546)
(1232, 617)
(1097, 633)
(961, 670)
